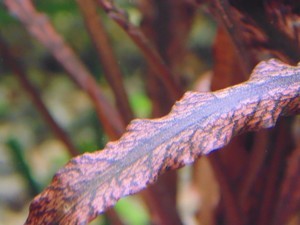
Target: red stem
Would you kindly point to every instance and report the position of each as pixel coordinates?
(221, 9)
(152, 56)
(255, 163)
(11, 61)
(112, 71)
(231, 206)
(273, 183)
(40, 28)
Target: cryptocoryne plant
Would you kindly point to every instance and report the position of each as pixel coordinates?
(198, 124)
(257, 186)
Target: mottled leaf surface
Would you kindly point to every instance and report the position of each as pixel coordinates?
(198, 124)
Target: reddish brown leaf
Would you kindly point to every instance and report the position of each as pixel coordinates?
(289, 201)
(197, 125)
(267, 27)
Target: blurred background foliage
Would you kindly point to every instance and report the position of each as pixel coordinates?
(29, 153)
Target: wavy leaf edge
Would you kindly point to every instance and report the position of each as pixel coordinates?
(90, 183)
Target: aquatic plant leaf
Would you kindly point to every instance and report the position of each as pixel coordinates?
(198, 124)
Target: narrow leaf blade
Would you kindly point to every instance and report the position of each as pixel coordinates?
(197, 125)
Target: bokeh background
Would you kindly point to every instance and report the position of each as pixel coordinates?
(30, 153)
